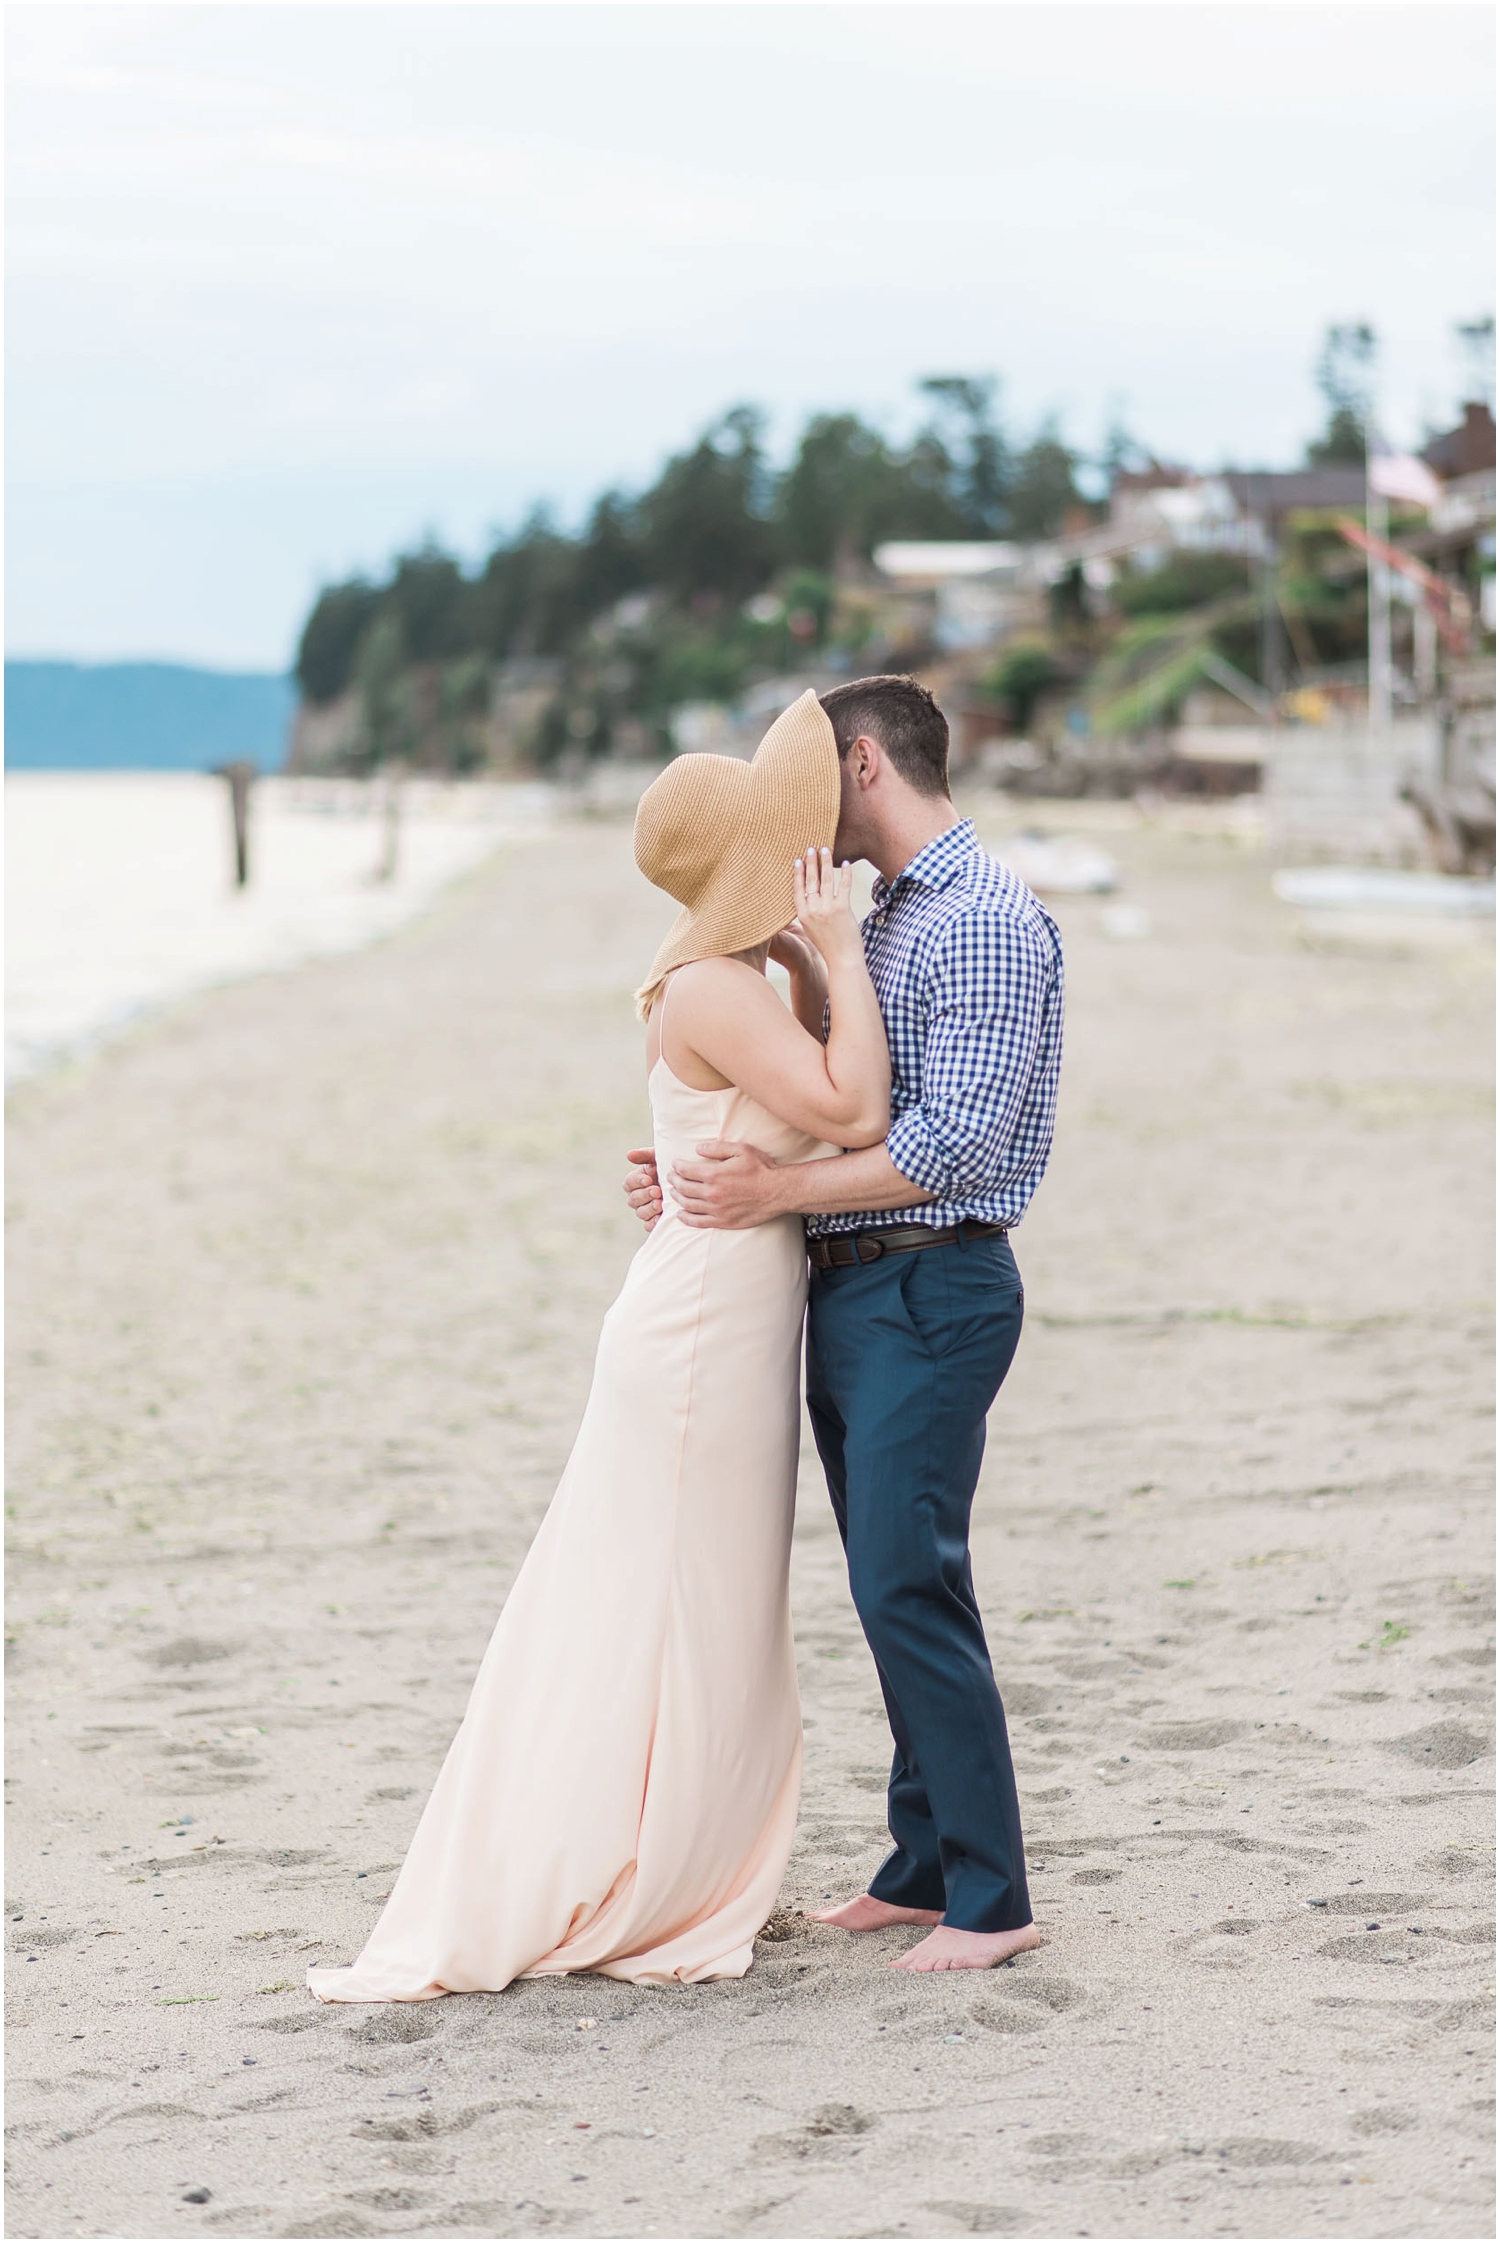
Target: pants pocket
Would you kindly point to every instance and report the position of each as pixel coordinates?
(1001, 1262)
(927, 1296)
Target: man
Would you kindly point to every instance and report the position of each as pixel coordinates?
(915, 1304)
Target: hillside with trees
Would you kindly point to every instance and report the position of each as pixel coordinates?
(730, 571)
(724, 569)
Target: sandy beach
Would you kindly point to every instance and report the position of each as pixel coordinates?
(305, 1281)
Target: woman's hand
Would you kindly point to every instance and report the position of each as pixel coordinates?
(808, 976)
(792, 949)
(643, 1186)
(825, 915)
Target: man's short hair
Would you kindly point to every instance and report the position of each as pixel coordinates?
(903, 717)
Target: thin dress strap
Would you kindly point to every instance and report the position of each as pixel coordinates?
(659, 1007)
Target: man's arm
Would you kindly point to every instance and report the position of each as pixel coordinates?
(733, 1187)
(986, 1010)
(985, 1014)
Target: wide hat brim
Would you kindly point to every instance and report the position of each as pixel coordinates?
(722, 836)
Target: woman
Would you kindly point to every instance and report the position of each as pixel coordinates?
(622, 1793)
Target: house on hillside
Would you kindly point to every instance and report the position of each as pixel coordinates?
(1466, 450)
(1159, 510)
(1263, 500)
(980, 591)
(1156, 511)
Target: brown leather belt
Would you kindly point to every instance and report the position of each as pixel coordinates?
(848, 1248)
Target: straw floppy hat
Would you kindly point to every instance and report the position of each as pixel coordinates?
(720, 835)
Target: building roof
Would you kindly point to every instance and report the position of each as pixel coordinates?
(1156, 475)
(1467, 449)
(1302, 486)
(935, 561)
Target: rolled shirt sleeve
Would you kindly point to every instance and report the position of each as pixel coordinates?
(987, 987)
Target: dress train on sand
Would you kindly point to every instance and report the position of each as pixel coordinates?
(622, 1793)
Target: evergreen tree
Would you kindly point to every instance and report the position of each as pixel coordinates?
(325, 653)
(1042, 486)
(707, 533)
(526, 600)
(846, 491)
(981, 471)
(1345, 378)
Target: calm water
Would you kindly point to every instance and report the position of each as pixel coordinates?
(120, 895)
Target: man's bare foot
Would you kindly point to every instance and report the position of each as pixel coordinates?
(948, 1948)
(867, 1914)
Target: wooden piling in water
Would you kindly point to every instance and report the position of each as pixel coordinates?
(239, 775)
(390, 852)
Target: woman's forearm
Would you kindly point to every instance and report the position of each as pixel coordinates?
(857, 1054)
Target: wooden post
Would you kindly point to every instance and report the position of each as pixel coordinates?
(391, 825)
(239, 776)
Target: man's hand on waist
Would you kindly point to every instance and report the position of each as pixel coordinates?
(731, 1187)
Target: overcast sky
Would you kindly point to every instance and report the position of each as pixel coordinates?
(291, 286)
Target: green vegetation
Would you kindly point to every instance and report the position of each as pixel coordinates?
(729, 569)
(1021, 677)
(1345, 374)
(723, 570)
(1186, 581)
(1156, 660)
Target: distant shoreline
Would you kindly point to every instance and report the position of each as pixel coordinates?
(143, 716)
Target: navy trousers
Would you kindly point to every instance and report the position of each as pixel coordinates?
(904, 1357)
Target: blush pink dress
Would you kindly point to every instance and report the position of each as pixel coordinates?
(622, 1793)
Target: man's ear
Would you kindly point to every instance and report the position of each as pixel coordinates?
(865, 757)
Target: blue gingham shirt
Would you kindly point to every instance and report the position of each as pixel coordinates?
(968, 969)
